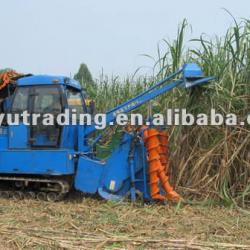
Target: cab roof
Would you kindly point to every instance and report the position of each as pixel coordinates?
(48, 80)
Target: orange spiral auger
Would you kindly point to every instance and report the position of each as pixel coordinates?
(7, 78)
(152, 145)
(163, 137)
(156, 145)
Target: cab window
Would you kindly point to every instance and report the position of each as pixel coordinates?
(21, 98)
(75, 101)
(47, 100)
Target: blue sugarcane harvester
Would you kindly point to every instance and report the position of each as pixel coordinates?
(47, 162)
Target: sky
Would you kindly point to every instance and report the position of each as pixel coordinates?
(55, 36)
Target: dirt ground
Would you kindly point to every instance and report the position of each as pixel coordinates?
(87, 223)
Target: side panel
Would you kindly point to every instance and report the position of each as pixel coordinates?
(18, 137)
(47, 162)
(117, 169)
(88, 175)
(69, 137)
(4, 135)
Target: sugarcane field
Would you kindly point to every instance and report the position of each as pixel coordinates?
(125, 125)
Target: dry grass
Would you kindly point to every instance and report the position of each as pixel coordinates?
(87, 223)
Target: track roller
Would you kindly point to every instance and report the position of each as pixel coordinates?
(41, 196)
(53, 196)
(4, 194)
(17, 195)
(30, 195)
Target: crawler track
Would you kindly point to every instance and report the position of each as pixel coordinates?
(33, 188)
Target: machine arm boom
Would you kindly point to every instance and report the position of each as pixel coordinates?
(191, 76)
